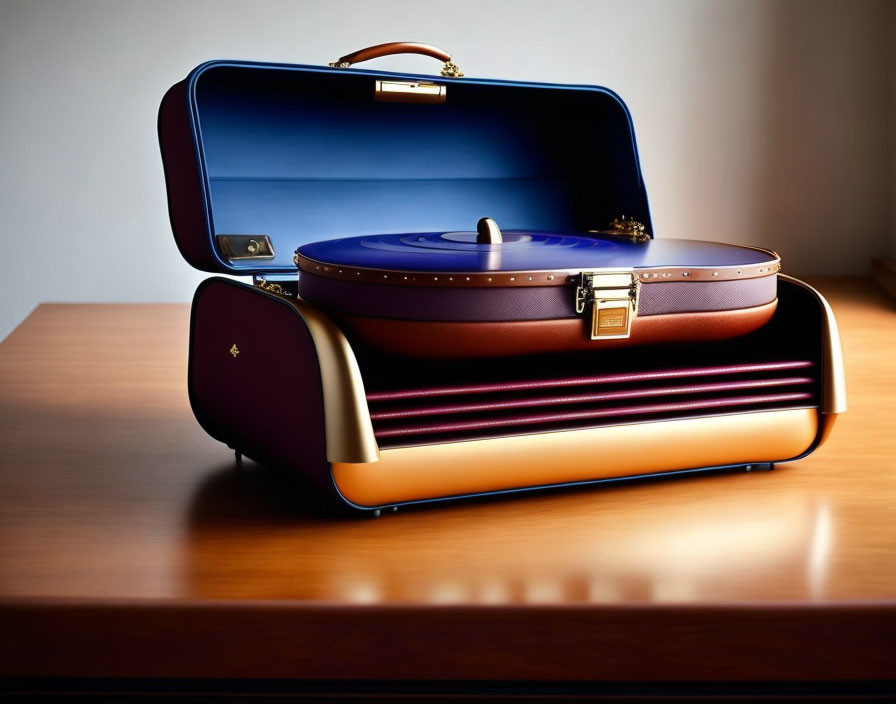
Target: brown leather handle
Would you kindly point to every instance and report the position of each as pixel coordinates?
(389, 48)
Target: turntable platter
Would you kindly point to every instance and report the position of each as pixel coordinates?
(521, 251)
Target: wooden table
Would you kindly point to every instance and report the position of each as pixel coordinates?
(134, 551)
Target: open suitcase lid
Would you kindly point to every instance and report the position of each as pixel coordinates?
(262, 158)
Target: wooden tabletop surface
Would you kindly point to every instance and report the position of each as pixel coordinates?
(132, 545)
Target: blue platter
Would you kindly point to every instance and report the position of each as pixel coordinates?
(524, 251)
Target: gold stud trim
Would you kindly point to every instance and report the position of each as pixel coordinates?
(504, 279)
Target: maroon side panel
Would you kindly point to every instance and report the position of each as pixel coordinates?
(254, 378)
(183, 180)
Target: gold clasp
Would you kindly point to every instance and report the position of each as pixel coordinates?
(613, 296)
(409, 92)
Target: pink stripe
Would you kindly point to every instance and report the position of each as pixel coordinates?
(583, 380)
(540, 418)
(584, 398)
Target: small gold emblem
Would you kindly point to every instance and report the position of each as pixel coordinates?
(234, 350)
(610, 322)
(612, 318)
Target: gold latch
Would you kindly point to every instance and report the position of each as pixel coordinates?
(613, 296)
(409, 92)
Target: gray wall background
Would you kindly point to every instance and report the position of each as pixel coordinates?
(759, 122)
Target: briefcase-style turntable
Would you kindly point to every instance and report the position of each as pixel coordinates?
(457, 291)
(488, 293)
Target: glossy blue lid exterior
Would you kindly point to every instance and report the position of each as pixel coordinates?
(304, 154)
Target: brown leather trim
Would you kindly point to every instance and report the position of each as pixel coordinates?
(447, 340)
(546, 277)
(390, 48)
(478, 466)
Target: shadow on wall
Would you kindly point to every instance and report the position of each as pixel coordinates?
(816, 147)
(825, 114)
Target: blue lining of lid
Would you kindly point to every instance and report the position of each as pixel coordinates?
(304, 154)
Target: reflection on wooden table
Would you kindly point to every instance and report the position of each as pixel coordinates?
(613, 545)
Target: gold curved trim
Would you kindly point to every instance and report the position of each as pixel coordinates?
(833, 392)
(494, 464)
(347, 425)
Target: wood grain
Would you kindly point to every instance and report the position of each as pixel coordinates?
(132, 545)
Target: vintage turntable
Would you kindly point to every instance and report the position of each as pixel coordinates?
(640, 357)
(488, 293)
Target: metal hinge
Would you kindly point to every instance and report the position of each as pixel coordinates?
(272, 287)
(613, 297)
(235, 247)
(624, 227)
